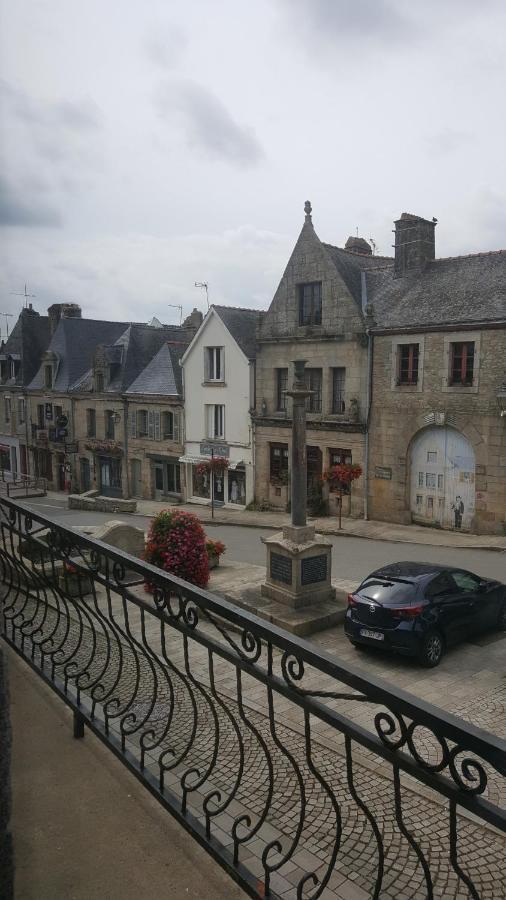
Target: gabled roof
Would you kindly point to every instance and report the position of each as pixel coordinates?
(242, 325)
(240, 322)
(455, 290)
(73, 344)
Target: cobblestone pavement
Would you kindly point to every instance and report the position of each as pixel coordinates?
(227, 747)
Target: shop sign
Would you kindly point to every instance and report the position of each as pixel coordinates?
(215, 449)
(383, 472)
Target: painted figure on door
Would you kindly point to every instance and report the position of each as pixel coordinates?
(458, 511)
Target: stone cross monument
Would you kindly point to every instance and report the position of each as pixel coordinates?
(299, 562)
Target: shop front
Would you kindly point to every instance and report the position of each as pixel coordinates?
(217, 477)
(166, 477)
(109, 469)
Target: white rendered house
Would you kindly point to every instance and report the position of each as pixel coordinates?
(219, 384)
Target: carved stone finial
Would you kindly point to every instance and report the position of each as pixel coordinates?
(308, 210)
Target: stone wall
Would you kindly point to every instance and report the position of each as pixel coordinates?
(399, 413)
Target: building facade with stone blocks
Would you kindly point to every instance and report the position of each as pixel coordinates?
(106, 409)
(219, 388)
(437, 437)
(316, 315)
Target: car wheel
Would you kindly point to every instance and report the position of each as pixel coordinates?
(432, 650)
(501, 622)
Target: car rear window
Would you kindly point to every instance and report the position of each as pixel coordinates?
(387, 591)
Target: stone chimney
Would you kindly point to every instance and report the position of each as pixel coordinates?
(358, 245)
(415, 244)
(62, 311)
(194, 320)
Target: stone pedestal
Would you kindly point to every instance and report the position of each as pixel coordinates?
(298, 567)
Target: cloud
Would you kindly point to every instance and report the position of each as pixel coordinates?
(207, 124)
(31, 211)
(448, 141)
(165, 46)
(340, 21)
(134, 277)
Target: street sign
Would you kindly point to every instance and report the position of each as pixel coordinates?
(209, 449)
(72, 448)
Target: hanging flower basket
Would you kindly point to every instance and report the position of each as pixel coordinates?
(215, 464)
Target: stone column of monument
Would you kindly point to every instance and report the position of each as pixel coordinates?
(299, 562)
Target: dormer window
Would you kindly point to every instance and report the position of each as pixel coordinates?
(48, 377)
(99, 382)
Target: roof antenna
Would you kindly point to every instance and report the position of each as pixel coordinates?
(24, 294)
(204, 284)
(180, 308)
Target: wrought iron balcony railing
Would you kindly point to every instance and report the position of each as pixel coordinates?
(296, 772)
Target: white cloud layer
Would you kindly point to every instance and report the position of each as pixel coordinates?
(149, 146)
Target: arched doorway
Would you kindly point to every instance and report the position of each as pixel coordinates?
(442, 479)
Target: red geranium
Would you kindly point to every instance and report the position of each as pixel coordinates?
(177, 544)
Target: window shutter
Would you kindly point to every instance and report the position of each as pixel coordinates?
(157, 426)
(222, 361)
(206, 364)
(133, 424)
(175, 425)
(151, 425)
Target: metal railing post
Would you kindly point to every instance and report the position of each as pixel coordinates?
(78, 725)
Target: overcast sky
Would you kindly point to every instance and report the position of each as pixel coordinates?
(148, 145)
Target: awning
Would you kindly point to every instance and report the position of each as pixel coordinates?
(193, 460)
(236, 464)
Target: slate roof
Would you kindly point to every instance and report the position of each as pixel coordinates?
(27, 341)
(350, 266)
(242, 324)
(139, 370)
(163, 374)
(455, 290)
(74, 343)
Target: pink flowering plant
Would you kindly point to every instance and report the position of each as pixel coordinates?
(177, 544)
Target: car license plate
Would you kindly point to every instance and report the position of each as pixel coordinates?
(375, 635)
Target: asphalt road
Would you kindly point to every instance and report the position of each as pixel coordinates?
(352, 558)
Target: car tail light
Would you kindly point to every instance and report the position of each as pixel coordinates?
(351, 600)
(407, 612)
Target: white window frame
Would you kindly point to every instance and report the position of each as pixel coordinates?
(214, 362)
(215, 421)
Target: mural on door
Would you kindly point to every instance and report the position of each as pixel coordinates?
(442, 479)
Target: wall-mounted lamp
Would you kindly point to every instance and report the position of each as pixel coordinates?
(501, 400)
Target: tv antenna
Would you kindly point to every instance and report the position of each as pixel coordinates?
(24, 294)
(180, 308)
(204, 284)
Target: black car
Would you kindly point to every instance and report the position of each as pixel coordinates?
(419, 609)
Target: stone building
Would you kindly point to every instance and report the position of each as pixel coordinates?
(219, 386)
(19, 359)
(317, 315)
(53, 416)
(437, 438)
(129, 414)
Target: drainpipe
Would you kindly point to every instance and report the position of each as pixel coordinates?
(74, 456)
(125, 444)
(368, 395)
(27, 413)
